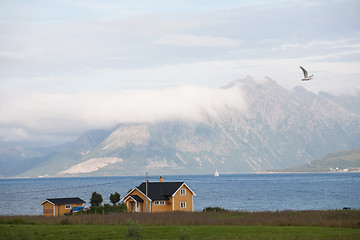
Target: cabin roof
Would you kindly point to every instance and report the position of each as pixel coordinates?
(58, 201)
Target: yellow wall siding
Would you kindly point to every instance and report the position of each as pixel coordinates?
(48, 209)
(167, 207)
(187, 198)
(60, 209)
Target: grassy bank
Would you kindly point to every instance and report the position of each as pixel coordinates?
(331, 218)
(198, 225)
(173, 232)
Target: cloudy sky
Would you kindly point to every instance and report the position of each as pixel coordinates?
(69, 66)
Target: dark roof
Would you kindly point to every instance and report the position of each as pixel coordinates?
(160, 190)
(137, 198)
(58, 201)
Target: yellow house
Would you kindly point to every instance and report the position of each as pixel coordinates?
(160, 197)
(60, 206)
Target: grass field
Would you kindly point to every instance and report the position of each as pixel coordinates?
(198, 225)
(77, 232)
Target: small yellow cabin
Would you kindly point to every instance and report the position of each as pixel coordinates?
(60, 206)
(160, 197)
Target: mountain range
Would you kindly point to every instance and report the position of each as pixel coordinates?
(279, 128)
(340, 161)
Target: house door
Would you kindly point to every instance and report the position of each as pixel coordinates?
(137, 207)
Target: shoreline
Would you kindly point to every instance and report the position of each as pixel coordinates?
(209, 174)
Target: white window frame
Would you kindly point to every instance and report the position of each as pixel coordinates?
(67, 206)
(160, 202)
(183, 192)
(183, 205)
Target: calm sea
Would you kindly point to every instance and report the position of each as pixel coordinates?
(248, 192)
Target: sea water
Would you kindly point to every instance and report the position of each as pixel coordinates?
(243, 192)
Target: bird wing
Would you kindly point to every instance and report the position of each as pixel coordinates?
(305, 72)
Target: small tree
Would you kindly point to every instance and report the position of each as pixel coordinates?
(96, 199)
(114, 198)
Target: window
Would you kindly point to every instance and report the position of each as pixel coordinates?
(159, 202)
(67, 206)
(183, 192)
(182, 205)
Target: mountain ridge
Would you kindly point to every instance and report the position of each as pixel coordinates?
(340, 161)
(278, 129)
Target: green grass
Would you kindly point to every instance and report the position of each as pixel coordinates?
(78, 232)
(332, 224)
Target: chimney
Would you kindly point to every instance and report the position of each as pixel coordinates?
(161, 179)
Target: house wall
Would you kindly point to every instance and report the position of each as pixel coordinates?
(167, 207)
(48, 209)
(60, 209)
(188, 198)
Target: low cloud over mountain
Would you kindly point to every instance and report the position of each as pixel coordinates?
(246, 126)
(65, 114)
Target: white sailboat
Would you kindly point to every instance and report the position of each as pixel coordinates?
(216, 173)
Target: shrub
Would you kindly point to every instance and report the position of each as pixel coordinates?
(185, 234)
(133, 231)
(121, 207)
(107, 208)
(214, 209)
(94, 209)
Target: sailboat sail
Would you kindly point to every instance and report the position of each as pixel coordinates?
(216, 173)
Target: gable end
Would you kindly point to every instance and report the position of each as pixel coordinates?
(184, 184)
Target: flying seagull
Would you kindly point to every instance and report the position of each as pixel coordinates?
(306, 76)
